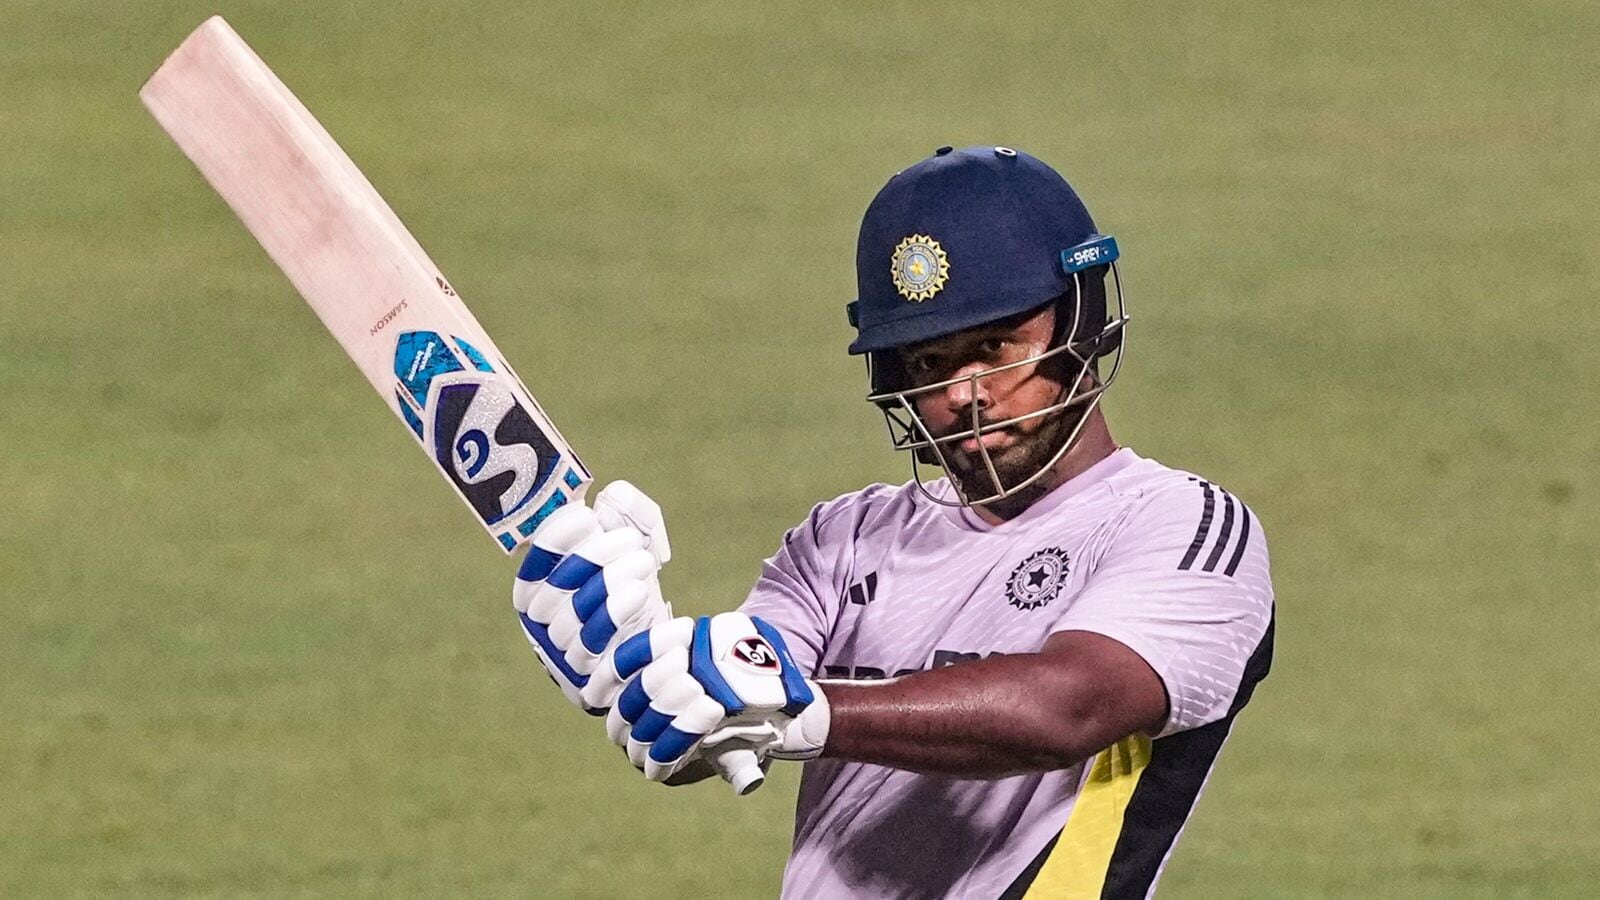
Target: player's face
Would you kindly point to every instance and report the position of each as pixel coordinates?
(1018, 450)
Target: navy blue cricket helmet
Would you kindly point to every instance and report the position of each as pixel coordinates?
(968, 237)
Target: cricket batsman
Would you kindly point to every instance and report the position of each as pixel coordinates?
(1009, 676)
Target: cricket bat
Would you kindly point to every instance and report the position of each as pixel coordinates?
(368, 280)
(375, 289)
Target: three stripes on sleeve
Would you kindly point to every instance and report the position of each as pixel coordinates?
(1230, 530)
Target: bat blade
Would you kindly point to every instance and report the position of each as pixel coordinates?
(375, 289)
(367, 279)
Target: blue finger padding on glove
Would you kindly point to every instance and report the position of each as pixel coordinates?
(672, 744)
(633, 701)
(704, 669)
(633, 655)
(597, 631)
(589, 598)
(572, 573)
(794, 684)
(538, 564)
(650, 726)
(541, 636)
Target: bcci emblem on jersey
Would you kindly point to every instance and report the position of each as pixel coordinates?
(919, 267)
(1038, 579)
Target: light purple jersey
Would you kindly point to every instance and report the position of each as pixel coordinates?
(884, 582)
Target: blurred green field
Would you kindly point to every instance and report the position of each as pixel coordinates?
(253, 647)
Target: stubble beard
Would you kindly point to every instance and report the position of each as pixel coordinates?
(1032, 453)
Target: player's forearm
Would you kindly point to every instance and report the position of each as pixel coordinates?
(988, 719)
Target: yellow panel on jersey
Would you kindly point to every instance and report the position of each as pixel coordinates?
(1077, 867)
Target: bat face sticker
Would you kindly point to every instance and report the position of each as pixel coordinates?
(472, 423)
(489, 446)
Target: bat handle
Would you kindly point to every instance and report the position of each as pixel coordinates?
(739, 767)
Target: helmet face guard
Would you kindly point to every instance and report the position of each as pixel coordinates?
(1077, 347)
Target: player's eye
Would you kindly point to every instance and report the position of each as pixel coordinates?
(992, 346)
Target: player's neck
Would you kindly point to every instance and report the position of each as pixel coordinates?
(1093, 445)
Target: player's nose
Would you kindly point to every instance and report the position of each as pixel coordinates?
(967, 390)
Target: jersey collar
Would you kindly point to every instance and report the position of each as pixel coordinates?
(968, 520)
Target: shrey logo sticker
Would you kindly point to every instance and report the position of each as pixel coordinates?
(1038, 579)
(756, 653)
(919, 267)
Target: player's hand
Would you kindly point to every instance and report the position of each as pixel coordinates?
(588, 582)
(709, 687)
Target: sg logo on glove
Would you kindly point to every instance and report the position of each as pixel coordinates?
(756, 654)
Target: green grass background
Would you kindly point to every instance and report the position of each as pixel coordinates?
(251, 646)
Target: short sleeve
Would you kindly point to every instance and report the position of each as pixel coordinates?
(1185, 584)
(797, 590)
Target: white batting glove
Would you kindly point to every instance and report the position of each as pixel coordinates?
(589, 581)
(708, 688)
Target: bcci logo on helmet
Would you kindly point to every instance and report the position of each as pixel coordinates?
(919, 267)
(1038, 579)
